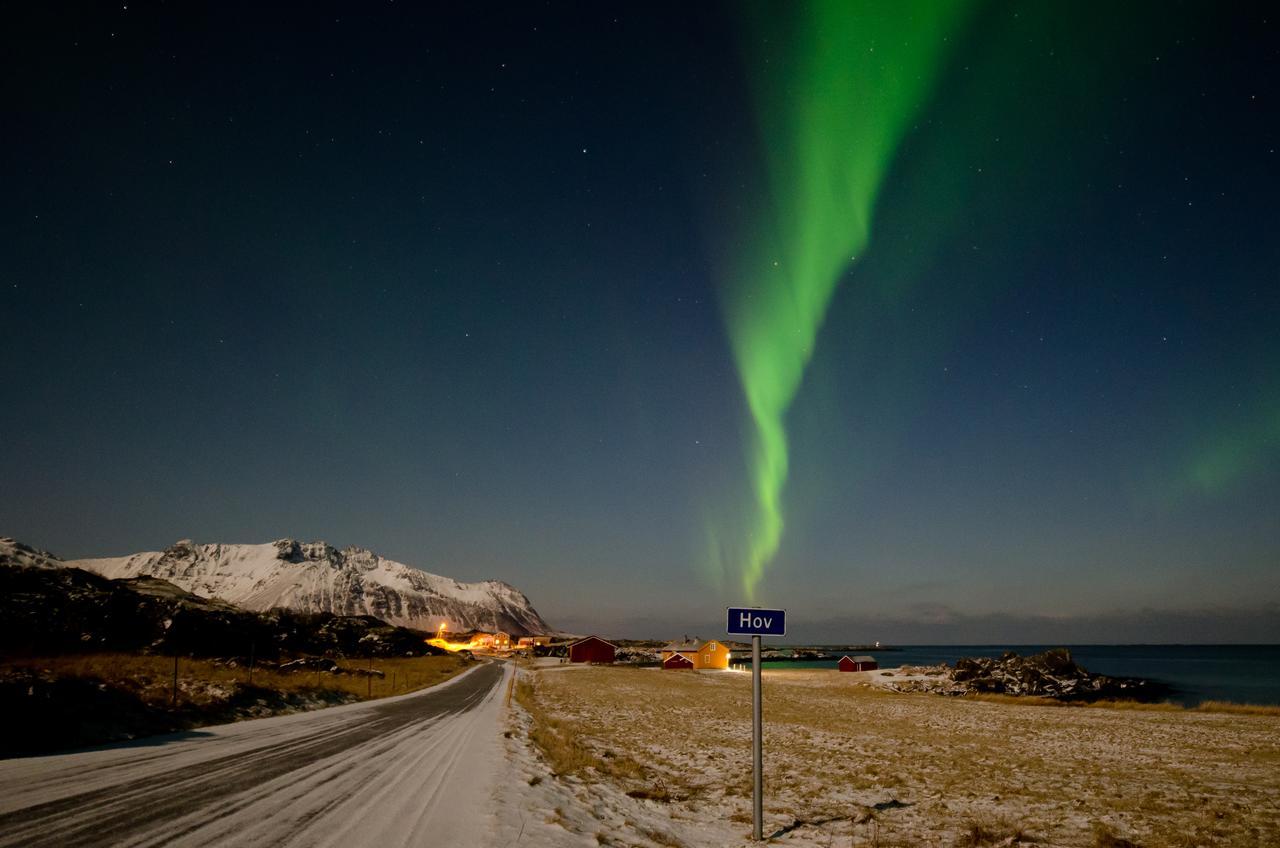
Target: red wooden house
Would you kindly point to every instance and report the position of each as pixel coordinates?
(677, 660)
(858, 663)
(592, 649)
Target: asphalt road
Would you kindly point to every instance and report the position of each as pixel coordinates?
(399, 771)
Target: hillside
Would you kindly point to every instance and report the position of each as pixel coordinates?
(316, 577)
(50, 608)
(89, 659)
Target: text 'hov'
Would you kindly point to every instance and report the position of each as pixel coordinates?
(751, 621)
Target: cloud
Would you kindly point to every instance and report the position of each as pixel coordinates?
(928, 623)
(938, 623)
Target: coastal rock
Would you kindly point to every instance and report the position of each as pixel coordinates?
(1052, 674)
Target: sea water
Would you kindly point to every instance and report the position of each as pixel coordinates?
(1248, 674)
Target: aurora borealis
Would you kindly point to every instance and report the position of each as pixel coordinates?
(832, 107)
(926, 321)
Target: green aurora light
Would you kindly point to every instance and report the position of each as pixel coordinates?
(1233, 455)
(833, 106)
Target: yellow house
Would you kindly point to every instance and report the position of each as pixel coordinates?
(713, 654)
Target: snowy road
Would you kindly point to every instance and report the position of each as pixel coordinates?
(413, 770)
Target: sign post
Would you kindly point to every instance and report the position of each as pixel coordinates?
(757, 744)
(756, 622)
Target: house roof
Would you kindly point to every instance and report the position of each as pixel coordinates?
(864, 658)
(682, 646)
(589, 638)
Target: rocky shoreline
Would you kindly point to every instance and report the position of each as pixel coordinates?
(1052, 674)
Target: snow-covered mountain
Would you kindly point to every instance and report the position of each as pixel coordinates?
(13, 552)
(316, 577)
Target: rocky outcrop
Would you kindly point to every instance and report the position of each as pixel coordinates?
(1052, 674)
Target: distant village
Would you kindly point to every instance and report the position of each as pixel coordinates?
(686, 654)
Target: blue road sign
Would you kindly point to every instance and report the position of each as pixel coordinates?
(752, 621)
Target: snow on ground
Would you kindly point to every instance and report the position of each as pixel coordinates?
(847, 764)
(905, 678)
(418, 769)
(664, 761)
(544, 811)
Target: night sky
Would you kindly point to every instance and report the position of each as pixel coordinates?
(508, 290)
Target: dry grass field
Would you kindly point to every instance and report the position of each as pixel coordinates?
(847, 764)
(75, 701)
(201, 682)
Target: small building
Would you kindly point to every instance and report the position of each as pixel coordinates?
(533, 641)
(859, 663)
(482, 640)
(592, 649)
(501, 641)
(688, 650)
(678, 661)
(713, 654)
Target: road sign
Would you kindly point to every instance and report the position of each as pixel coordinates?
(752, 621)
(756, 622)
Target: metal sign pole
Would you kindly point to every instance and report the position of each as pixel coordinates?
(756, 622)
(757, 745)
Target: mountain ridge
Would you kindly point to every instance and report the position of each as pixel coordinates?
(317, 577)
